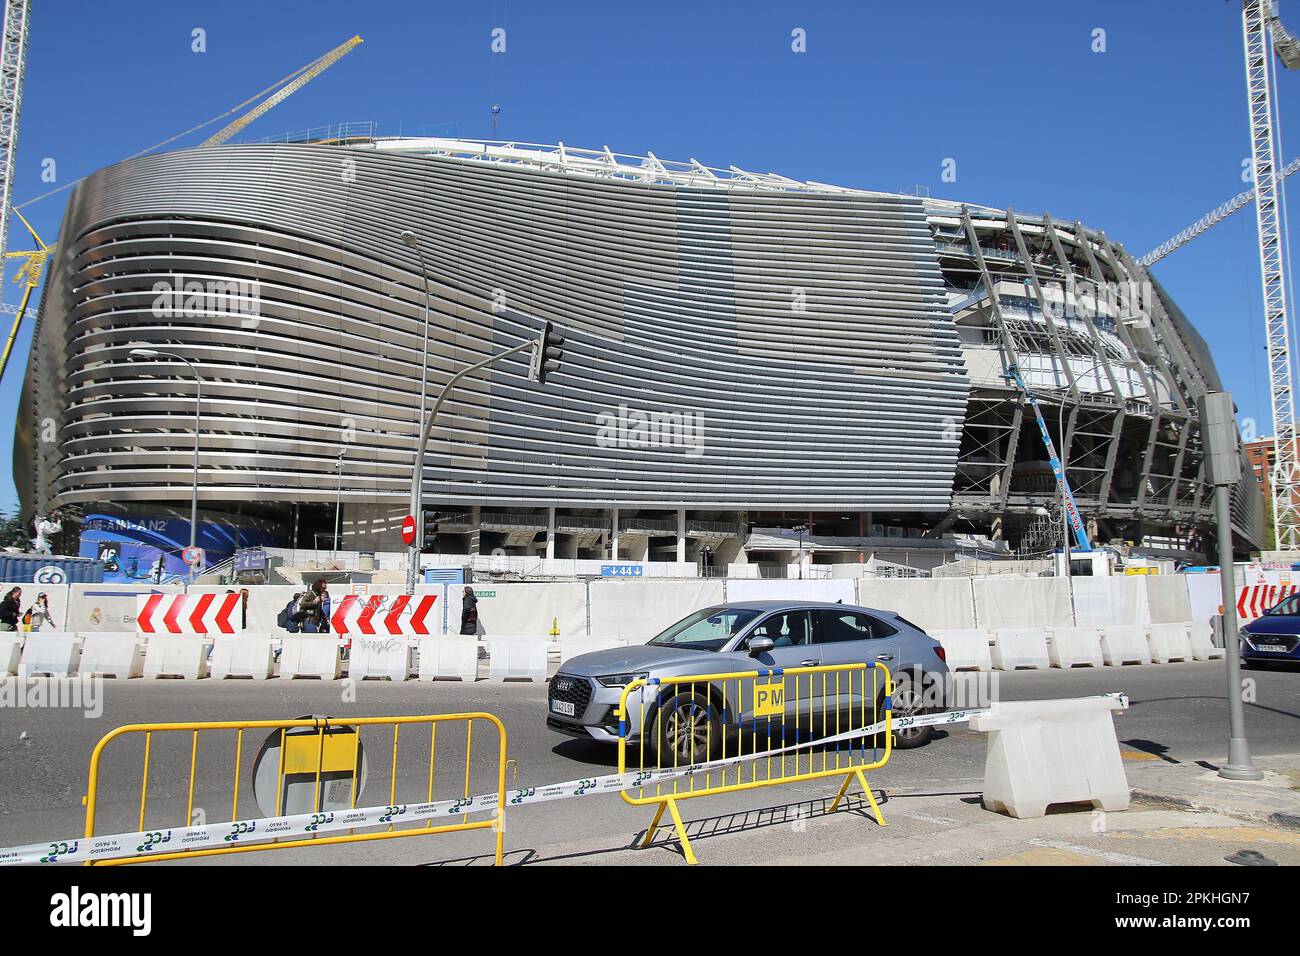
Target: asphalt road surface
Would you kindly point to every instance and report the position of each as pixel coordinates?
(1178, 712)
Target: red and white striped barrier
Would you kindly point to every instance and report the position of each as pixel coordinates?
(378, 614)
(187, 613)
(1254, 599)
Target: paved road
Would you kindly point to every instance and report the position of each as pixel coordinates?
(1178, 712)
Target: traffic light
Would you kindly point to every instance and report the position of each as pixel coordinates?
(430, 542)
(546, 354)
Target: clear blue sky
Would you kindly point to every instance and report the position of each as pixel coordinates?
(1140, 140)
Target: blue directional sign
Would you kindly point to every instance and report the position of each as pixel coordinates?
(622, 570)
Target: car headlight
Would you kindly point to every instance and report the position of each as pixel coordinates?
(621, 680)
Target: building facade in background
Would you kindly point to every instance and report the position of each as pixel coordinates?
(751, 360)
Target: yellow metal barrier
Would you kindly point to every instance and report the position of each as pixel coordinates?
(320, 747)
(759, 728)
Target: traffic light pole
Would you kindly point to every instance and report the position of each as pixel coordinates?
(1223, 466)
(413, 549)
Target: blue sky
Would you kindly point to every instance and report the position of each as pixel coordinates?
(1140, 140)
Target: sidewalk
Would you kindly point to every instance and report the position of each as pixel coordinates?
(1273, 801)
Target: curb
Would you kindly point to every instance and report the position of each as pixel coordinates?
(1273, 818)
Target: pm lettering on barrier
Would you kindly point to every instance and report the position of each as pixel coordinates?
(769, 700)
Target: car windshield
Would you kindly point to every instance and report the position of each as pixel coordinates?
(1288, 608)
(706, 630)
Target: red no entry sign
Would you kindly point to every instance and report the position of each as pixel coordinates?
(408, 529)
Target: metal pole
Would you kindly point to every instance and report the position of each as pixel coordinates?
(410, 239)
(194, 490)
(338, 503)
(413, 550)
(1065, 511)
(1239, 765)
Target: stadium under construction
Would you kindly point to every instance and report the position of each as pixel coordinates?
(750, 361)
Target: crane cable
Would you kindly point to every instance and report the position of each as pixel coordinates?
(193, 129)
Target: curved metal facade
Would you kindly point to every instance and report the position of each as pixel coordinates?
(806, 332)
(742, 343)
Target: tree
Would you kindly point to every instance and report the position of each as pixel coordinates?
(14, 532)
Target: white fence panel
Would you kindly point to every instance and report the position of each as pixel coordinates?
(638, 610)
(1011, 602)
(929, 603)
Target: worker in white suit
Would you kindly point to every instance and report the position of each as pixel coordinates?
(45, 527)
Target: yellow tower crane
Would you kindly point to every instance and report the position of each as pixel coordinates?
(29, 272)
(297, 82)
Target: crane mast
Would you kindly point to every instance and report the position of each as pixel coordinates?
(1261, 33)
(13, 64)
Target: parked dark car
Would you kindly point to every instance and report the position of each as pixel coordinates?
(1274, 636)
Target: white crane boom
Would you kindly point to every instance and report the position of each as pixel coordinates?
(1211, 218)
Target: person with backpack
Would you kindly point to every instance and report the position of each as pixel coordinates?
(38, 615)
(313, 608)
(288, 618)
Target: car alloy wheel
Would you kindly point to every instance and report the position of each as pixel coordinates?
(688, 731)
(908, 702)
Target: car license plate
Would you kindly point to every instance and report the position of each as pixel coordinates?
(562, 707)
(1271, 648)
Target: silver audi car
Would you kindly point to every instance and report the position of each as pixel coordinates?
(745, 636)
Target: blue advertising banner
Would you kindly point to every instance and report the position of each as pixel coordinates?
(148, 550)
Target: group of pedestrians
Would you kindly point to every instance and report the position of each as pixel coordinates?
(36, 616)
(309, 612)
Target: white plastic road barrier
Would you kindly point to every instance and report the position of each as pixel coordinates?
(1169, 642)
(112, 654)
(310, 656)
(1020, 647)
(966, 648)
(1125, 644)
(573, 646)
(1042, 752)
(1076, 647)
(56, 653)
(11, 652)
(176, 655)
(517, 657)
(245, 655)
(379, 656)
(448, 658)
(1202, 645)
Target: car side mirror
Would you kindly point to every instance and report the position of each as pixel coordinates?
(760, 645)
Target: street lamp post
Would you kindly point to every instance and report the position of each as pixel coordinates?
(801, 528)
(411, 240)
(198, 413)
(338, 502)
(413, 549)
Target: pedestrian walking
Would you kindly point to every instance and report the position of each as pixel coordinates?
(10, 608)
(38, 615)
(468, 612)
(313, 606)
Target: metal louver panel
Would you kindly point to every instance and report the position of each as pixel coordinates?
(807, 331)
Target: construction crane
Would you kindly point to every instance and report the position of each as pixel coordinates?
(298, 80)
(30, 273)
(13, 65)
(1264, 34)
(1210, 219)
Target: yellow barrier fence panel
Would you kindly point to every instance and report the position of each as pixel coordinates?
(706, 734)
(310, 769)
